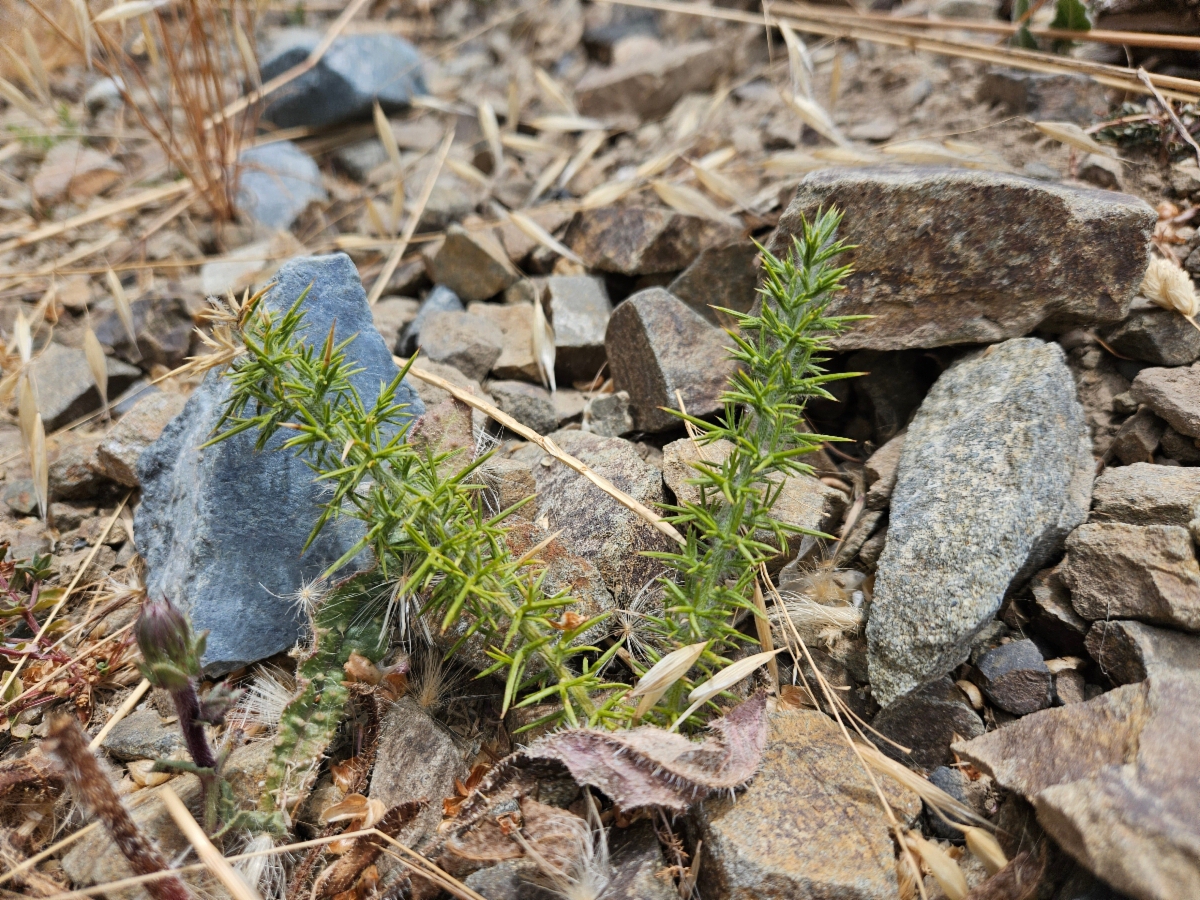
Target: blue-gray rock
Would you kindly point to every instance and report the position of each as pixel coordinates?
(996, 470)
(357, 70)
(221, 529)
(276, 183)
(440, 299)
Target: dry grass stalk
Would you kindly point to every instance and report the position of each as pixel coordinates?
(763, 625)
(893, 34)
(723, 681)
(123, 710)
(640, 509)
(209, 855)
(691, 202)
(933, 795)
(17, 98)
(536, 232)
(944, 869)
(66, 744)
(39, 463)
(490, 127)
(554, 92)
(397, 253)
(985, 848)
(26, 864)
(97, 363)
(566, 124)
(103, 211)
(588, 147)
(544, 352)
(37, 65)
(950, 23)
(547, 177)
(1073, 136)
(664, 673)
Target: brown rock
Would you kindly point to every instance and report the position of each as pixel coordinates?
(117, 456)
(1015, 678)
(641, 240)
(391, 316)
(511, 325)
(724, 276)
(881, 468)
(473, 264)
(1174, 394)
(1149, 573)
(1108, 784)
(1185, 450)
(73, 470)
(656, 346)
(649, 85)
(1158, 336)
(1144, 494)
(1138, 438)
(163, 325)
(805, 502)
(808, 826)
(1055, 616)
(594, 525)
(1071, 98)
(1132, 651)
(927, 720)
(465, 341)
(968, 280)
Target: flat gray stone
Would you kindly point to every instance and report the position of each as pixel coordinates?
(529, 404)
(1174, 394)
(996, 470)
(926, 721)
(355, 71)
(1144, 494)
(143, 735)
(578, 308)
(277, 182)
(221, 529)
(724, 276)
(952, 256)
(463, 340)
(62, 382)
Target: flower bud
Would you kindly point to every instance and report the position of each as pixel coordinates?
(170, 650)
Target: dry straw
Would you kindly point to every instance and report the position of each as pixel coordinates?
(723, 681)
(664, 673)
(945, 870)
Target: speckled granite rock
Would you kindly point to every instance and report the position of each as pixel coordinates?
(596, 526)
(996, 470)
(950, 256)
(809, 825)
(221, 529)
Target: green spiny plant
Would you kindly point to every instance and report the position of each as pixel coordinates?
(730, 532)
(426, 525)
(434, 540)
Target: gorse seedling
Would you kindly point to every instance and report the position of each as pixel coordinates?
(730, 532)
(426, 520)
(426, 524)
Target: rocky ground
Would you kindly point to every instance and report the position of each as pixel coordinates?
(545, 202)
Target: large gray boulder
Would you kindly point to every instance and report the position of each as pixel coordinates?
(951, 256)
(995, 472)
(222, 529)
(355, 71)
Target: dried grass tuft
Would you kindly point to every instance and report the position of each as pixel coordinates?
(943, 868)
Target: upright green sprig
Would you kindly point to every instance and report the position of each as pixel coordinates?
(730, 532)
(424, 523)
